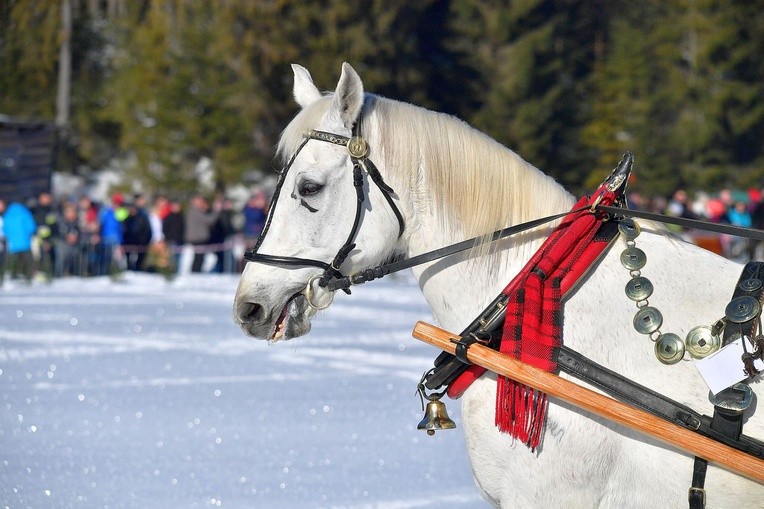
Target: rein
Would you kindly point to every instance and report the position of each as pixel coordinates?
(333, 279)
(389, 268)
(738, 231)
(367, 275)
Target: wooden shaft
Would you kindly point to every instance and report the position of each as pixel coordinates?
(599, 404)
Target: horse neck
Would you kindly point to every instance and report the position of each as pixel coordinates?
(459, 184)
(458, 288)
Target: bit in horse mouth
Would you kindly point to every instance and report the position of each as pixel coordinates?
(287, 312)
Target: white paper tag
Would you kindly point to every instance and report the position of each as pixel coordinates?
(725, 368)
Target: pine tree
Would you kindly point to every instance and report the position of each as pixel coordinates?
(179, 98)
(28, 56)
(569, 85)
(530, 58)
(30, 39)
(211, 79)
(680, 85)
(622, 84)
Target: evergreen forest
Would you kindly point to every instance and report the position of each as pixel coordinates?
(158, 85)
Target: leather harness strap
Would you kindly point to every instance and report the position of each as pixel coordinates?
(749, 288)
(728, 424)
(642, 397)
(728, 419)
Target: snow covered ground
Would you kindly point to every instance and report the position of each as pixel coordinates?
(144, 394)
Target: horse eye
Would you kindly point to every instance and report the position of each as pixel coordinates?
(308, 188)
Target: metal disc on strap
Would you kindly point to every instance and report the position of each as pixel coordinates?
(701, 342)
(648, 320)
(629, 229)
(358, 147)
(639, 289)
(633, 258)
(742, 309)
(669, 348)
(735, 399)
(750, 285)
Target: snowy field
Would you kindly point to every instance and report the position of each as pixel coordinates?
(144, 394)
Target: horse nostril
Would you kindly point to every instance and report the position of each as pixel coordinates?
(250, 312)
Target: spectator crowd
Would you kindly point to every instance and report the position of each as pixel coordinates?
(80, 237)
(737, 208)
(45, 239)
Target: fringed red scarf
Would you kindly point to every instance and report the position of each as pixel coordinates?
(534, 317)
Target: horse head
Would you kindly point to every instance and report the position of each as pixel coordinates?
(325, 219)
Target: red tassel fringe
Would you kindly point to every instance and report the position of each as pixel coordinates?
(521, 411)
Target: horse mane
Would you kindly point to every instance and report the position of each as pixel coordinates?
(465, 177)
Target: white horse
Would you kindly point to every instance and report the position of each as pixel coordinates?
(451, 183)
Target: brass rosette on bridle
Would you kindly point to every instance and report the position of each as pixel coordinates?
(358, 147)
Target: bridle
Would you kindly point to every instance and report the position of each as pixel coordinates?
(358, 148)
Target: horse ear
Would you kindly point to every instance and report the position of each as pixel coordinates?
(305, 92)
(348, 98)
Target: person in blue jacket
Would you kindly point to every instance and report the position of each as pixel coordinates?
(18, 227)
(111, 236)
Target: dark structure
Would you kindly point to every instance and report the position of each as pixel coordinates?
(27, 157)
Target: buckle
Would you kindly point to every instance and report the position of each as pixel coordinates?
(694, 492)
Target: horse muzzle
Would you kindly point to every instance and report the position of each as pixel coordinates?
(288, 321)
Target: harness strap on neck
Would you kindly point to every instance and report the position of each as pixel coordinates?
(727, 424)
(530, 308)
(450, 375)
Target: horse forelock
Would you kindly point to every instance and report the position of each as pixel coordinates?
(306, 119)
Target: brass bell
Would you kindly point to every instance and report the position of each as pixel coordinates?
(435, 418)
